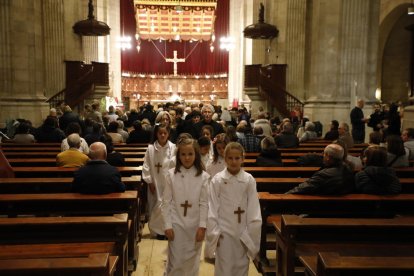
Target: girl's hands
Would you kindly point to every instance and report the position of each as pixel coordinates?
(201, 232)
(169, 233)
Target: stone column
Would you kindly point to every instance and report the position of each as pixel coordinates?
(236, 56)
(344, 37)
(22, 94)
(295, 47)
(54, 46)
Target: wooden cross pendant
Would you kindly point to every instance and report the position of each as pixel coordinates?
(185, 205)
(238, 212)
(158, 166)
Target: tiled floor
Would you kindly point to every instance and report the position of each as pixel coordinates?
(152, 258)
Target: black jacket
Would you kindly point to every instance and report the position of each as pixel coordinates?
(97, 177)
(377, 180)
(287, 140)
(269, 158)
(330, 181)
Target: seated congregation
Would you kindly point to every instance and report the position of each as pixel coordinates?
(200, 181)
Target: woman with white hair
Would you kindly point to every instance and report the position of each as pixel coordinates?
(310, 133)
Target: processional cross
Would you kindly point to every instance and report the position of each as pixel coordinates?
(175, 60)
(186, 205)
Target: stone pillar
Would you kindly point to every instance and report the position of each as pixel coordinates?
(236, 56)
(22, 93)
(54, 45)
(343, 46)
(295, 47)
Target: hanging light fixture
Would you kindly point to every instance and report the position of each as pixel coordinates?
(91, 26)
(261, 30)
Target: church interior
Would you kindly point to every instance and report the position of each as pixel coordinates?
(320, 57)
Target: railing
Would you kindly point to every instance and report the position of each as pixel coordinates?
(81, 79)
(271, 82)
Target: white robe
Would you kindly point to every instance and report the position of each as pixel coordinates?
(238, 241)
(216, 167)
(184, 252)
(206, 159)
(154, 155)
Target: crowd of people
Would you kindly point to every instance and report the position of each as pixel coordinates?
(197, 188)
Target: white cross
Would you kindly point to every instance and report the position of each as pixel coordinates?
(175, 60)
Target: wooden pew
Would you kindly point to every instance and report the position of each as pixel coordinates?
(97, 264)
(58, 149)
(45, 230)
(284, 184)
(360, 205)
(65, 172)
(406, 172)
(137, 154)
(53, 185)
(65, 204)
(332, 264)
(297, 236)
(51, 161)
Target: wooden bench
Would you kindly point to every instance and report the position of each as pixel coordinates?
(333, 264)
(74, 204)
(98, 264)
(132, 154)
(65, 172)
(305, 172)
(284, 184)
(53, 185)
(361, 205)
(51, 161)
(58, 149)
(297, 236)
(43, 230)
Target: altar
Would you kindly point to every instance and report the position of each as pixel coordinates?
(140, 88)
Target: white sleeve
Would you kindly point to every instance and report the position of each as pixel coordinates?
(251, 235)
(213, 229)
(166, 204)
(146, 167)
(204, 201)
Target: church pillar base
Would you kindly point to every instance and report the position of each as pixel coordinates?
(408, 118)
(32, 109)
(326, 111)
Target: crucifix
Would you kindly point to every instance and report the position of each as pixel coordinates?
(238, 212)
(175, 60)
(186, 205)
(158, 166)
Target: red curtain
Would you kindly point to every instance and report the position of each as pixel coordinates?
(150, 61)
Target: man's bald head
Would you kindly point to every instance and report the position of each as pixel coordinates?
(97, 151)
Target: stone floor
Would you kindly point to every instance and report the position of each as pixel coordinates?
(152, 258)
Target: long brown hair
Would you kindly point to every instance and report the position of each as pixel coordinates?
(220, 138)
(198, 164)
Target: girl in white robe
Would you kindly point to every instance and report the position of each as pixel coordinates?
(185, 208)
(159, 158)
(218, 164)
(234, 218)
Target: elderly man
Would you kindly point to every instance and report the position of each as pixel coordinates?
(207, 111)
(97, 176)
(72, 157)
(335, 179)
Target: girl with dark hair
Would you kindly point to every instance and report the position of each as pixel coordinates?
(159, 158)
